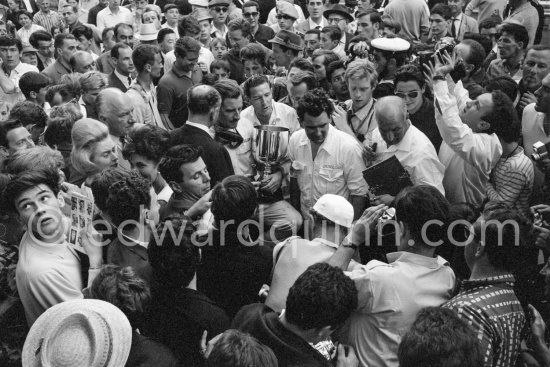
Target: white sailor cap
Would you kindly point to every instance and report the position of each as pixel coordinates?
(391, 44)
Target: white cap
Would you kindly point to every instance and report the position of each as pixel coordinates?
(202, 3)
(336, 209)
(391, 44)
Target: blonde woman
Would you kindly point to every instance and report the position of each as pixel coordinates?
(93, 150)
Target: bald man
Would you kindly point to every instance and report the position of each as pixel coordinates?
(114, 109)
(82, 62)
(204, 104)
(396, 136)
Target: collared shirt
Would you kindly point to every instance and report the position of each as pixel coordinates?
(24, 34)
(500, 67)
(468, 157)
(242, 157)
(337, 168)
(416, 154)
(15, 75)
(313, 25)
(106, 18)
(172, 95)
(126, 80)
(202, 127)
(49, 20)
(494, 313)
(45, 61)
(205, 56)
(390, 296)
(363, 121)
(219, 33)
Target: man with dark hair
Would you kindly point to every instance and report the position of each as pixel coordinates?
(123, 33)
(489, 28)
(513, 42)
(166, 39)
(330, 40)
(33, 85)
(460, 22)
(368, 24)
(14, 136)
(312, 42)
(297, 85)
(121, 78)
(12, 70)
(143, 94)
(180, 314)
(321, 59)
(203, 105)
(316, 19)
(487, 301)
(338, 156)
(233, 267)
(472, 56)
(85, 38)
(318, 303)
(391, 294)
(470, 132)
(335, 72)
(261, 33)
(43, 42)
(439, 338)
(173, 86)
(65, 45)
(239, 35)
(32, 116)
(440, 17)
(48, 270)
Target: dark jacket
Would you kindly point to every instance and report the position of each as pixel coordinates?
(290, 349)
(145, 352)
(115, 82)
(178, 319)
(214, 154)
(231, 273)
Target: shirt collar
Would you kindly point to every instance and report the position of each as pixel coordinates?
(499, 279)
(363, 111)
(458, 17)
(409, 257)
(327, 145)
(325, 242)
(123, 79)
(313, 25)
(200, 126)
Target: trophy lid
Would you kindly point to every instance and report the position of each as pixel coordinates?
(271, 128)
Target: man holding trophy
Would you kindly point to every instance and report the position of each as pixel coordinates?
(238, 135)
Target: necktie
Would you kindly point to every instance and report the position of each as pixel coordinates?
(129, 81)
(453, 28)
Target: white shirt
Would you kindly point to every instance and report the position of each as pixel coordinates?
(532, 131)
(337, 169)
(15, 75)
(220, 33)
(313, 25)
(82, 106)
(390, 296)
(205, 56)
(106, 18)
(175, 29)
(242, 157)
(468, 157)
(416, 154)
(340, 52)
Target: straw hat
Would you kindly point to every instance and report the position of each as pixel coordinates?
(77, 333)
(147, 32)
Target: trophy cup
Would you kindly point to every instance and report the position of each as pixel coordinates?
(268, 146)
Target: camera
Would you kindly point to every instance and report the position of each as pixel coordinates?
(540, 151)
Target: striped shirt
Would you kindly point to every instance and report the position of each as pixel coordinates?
(511, 181)
(492, 309)
(47, 21)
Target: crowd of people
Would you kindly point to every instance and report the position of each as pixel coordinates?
(274, 183)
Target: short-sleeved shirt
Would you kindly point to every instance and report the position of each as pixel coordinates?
(106, 18)
(337, 169)
(172, 96)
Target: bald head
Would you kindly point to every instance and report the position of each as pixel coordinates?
(391, 114)
(82, 62)
(202, 100)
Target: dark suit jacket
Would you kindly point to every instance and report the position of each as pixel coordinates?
(55, 71)
(115, 82)
(214, 154)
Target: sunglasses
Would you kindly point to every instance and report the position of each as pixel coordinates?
(411, 95)
(285, 17)
(251, 15)
(218, 9)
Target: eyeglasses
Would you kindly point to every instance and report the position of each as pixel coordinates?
(411, 95)
(219, 9)
(251, 15)
(285, 17)
(334, 20)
